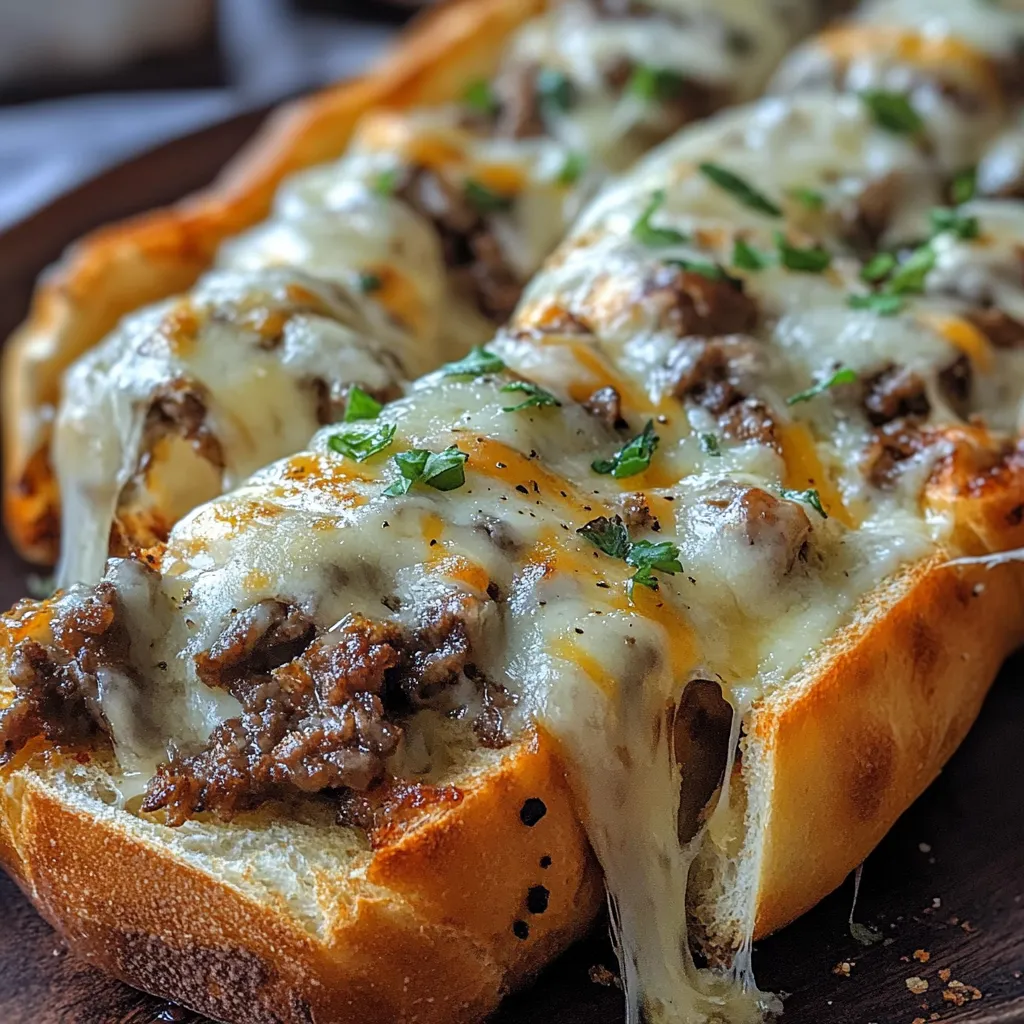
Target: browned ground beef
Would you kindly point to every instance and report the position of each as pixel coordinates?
(1000, 328)
(869, 213)
(892, 445)
(55, 682)
(606, 405)
(689, 303)
(469, 246)
(180, 407)
(894, 392)
(749, 420)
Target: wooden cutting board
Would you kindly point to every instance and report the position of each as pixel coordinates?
(945, 889)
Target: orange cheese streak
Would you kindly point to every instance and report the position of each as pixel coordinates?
(932, 52)
(804, 471)
(961, 334)
(398, 295)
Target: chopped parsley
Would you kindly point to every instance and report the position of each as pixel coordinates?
(879, 302)
(810, 198)
(554, 89)
(949, 219)
(964, 185)
(369, 282)
(648, 558)
(484, 199)
(810, 497)
(892, 111)
(384, 183)
(479, 97)
(478, 362)
(645, 233)
(709, 445)
(742, 190)
(909, 276)
(812, 260)
(879, 267)
(572, 169)
(361, 406)
(632, 458)
(706, 268)
(444, 471)
(537, 397)
(654, 85)
(746, 257)
(841, 376)
(611, 537)
(362, 442)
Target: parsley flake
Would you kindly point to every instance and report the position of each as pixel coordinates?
(964, 185)
(710, 446)
(444, 471)
(909, 276)
(537, 397)
(810, 497)
(948, 219)
(645, 233)
(879, 267)
(479, 97)
(746, 257)
(554, 89)
(632, 458)
(360, 443)
(572, 169)
(813, 260)
(478, 362)
(361, 406)
(810, 198)
(892, 111)
(881, 303)
(384, 184)
(610, 536)
(842, 376)
(706, 268)
(369, 282)
(740, 189)
(484, 199)
(654, 85)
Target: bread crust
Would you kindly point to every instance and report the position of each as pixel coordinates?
(141, 260)
(421, 932)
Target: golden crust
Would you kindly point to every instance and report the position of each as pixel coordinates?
(423, 933)
(845, 750)
(124, 266)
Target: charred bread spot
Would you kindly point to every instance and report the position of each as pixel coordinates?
(871, 771)
(545, 862)
(894, 393)
(537, 898)
(693, 305)
(1015, 515)
(926, 649)
(532, 811)
(521, 930)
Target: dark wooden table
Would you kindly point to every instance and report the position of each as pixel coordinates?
(947, 884)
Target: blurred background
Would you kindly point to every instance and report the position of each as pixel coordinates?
(87, 83)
